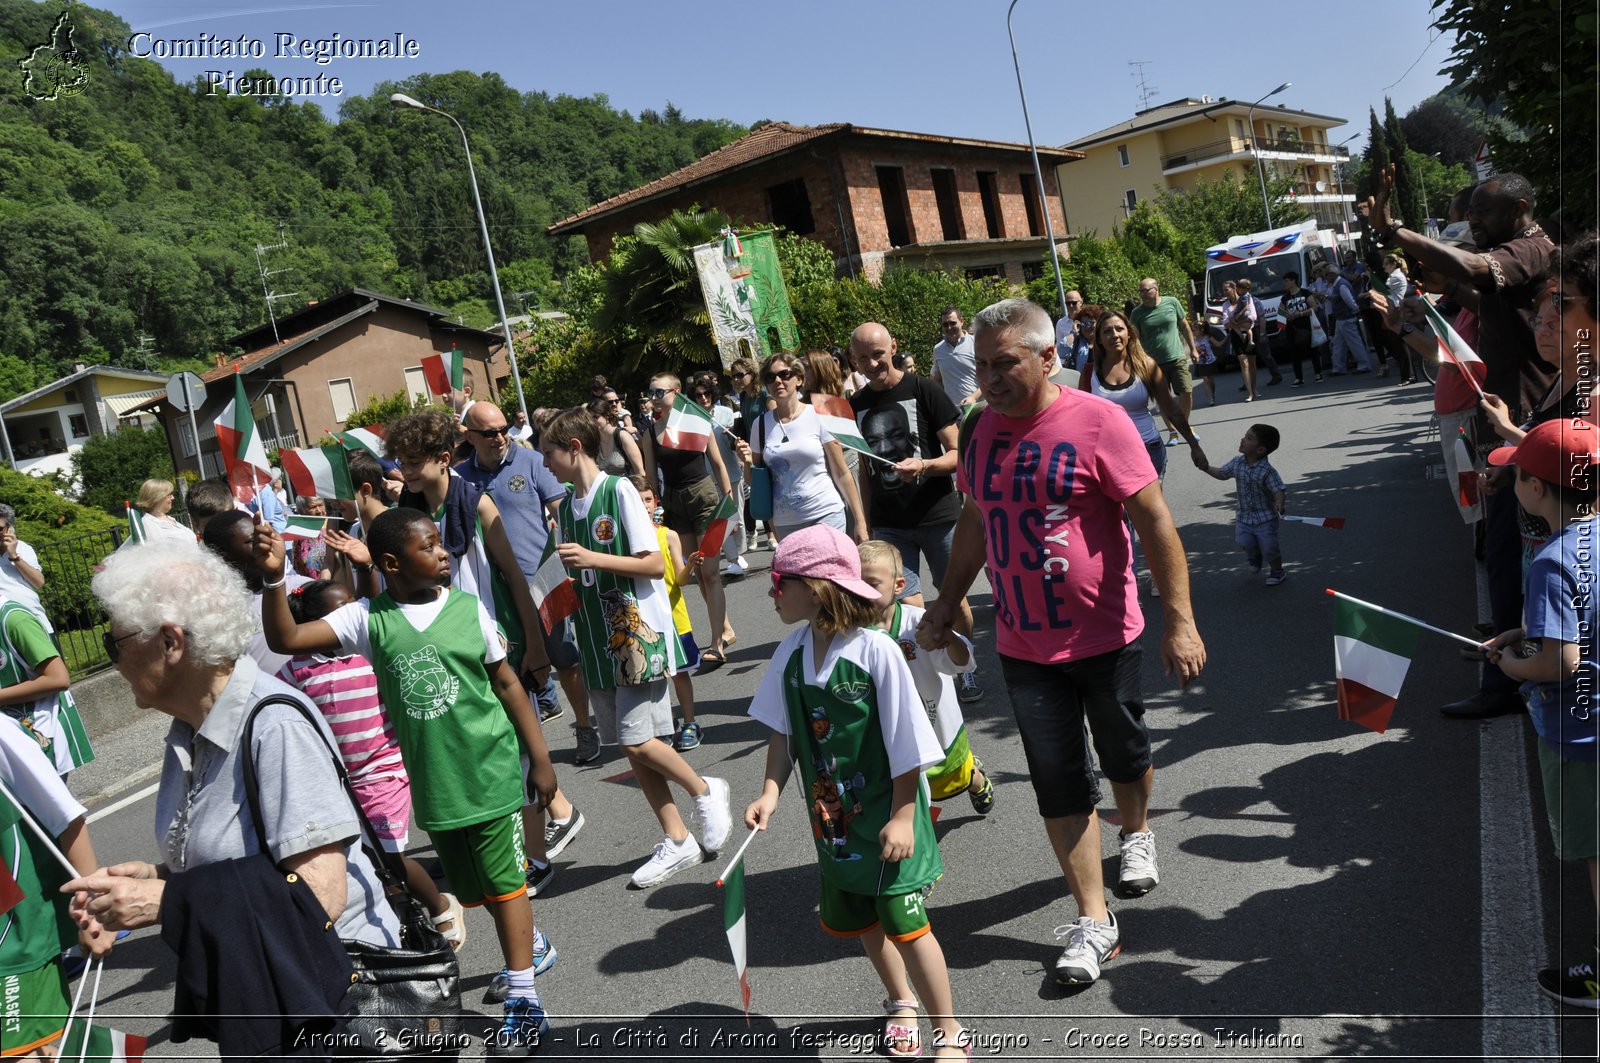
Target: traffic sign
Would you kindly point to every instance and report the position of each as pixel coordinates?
(186, 392)
(1482, 168)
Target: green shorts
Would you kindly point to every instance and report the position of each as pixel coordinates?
(849, 915)
(1178, 375)
(33, 1008)
(484, 862)
(1571, 795)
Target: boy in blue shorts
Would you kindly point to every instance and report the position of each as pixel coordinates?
(458, 709)
(1557, 466)
(1258, 505)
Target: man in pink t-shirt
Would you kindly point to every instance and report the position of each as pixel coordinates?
(1049, 473)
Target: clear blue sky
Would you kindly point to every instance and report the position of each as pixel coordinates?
(933, 66)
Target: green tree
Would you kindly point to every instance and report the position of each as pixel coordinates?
(381, 409)
(1407, 191)
(1538, 61)
(110, 469)
(1377, 156)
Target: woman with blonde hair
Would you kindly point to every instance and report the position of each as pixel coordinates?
(822, 373)
(1120, 371)
(155, 506)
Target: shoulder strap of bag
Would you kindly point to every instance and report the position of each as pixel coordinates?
(761, 433)
(388, 865)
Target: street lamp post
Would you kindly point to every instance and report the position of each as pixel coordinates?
(1255, 147)
(1038, 171)
(1338, 169)
(400, 99)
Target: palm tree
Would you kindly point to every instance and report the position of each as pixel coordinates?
(652, 313)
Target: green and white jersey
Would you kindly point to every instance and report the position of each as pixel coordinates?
(38, 928)
(855, 722)
(931, 673)
(624, 624)
(457, 741)
(53, 719)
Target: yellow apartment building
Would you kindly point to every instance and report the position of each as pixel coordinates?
(1176, 144)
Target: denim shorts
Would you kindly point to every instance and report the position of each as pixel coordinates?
(932, 541)
(1058, 707)
(1259, 540)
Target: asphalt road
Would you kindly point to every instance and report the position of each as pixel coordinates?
(1325, 891)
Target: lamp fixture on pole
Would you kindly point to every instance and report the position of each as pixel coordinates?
(400, 99)
(1255, 147)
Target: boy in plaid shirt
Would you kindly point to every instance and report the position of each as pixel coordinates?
(1259, 503)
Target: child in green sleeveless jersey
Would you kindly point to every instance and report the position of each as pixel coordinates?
(626, 639)
(35, 689)
(842, 704)
(458, 709)
(675, 573)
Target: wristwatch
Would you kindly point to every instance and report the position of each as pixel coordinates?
(1388, 233)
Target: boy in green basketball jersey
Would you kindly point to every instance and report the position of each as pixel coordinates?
(457, 708)
(35, 689)
(626, 639)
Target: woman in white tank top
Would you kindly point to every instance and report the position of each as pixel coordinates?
(1121, 372)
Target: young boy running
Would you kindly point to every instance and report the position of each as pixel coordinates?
(960, 771)
(675, 573)
(625, 634)
(457, 709)
(1557, 465)
(1258, 506)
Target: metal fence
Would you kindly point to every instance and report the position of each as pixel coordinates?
(68, 565)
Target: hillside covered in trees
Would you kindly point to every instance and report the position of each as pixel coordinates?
(133, 209)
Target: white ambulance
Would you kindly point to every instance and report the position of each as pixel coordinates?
(1264, 258)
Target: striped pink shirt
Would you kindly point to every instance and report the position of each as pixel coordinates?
(346, 690)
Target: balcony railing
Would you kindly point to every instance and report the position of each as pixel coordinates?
(1221, 149)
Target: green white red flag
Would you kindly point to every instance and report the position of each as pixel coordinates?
(369, 439)
(1453, 350)
(1334, 523)
(318, 472)
(733, 924)
(105, 1046)
(298, 526)
(840, 421)
(554, 593)
(1466, 471)
(135, 523)
(689, 426)
(717, 531)
(243, 455)
(444, 372)
(1372, 649)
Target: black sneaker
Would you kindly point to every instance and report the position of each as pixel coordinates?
(1577, 985)
(553, 711)
(558, 835)
(538, 878)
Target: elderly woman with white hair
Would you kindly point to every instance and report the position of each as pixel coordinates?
(180, 625)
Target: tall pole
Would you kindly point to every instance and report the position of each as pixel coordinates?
(1338, 172)
(1255, 148)
(400, 99)
(1038, 171)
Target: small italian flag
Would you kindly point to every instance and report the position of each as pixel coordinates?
(733, 923)
(1371, 652)
(717, 530)
(135, 523)
(11, 894)
(105, 1046)
(318, 472)
(302, 527)
(1466, 471)
(369, 439)
(1335, 523)
(689, 427)
(552, 588)
(444, 372)
(840, 421)
(1453, 350)
(242, 453)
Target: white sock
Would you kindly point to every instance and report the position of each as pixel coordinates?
(561, 822)
(521, 984)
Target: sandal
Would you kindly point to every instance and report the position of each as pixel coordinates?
(901, 1041)
(455, 915)
(710, 661)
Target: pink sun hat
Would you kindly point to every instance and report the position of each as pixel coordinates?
(823, 552)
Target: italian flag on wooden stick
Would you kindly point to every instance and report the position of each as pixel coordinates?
(242, 453)
(1453, 350)
(717, 530)
(444, 372)
(1335, 523)
(320, 472)
(552, 588)
(1466, 471)
(369, 439)
(1372, 648)
(298, 526)
(840, 421)
(105, 1046)
(733, 923)
(689, 427)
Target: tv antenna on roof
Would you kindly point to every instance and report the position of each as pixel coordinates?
(267, 293)
(1147, 91)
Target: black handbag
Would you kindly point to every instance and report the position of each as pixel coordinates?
(407, 998)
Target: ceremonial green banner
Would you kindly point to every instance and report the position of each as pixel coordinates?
(745, 297)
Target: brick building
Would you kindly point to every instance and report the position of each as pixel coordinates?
(878, 198)
(325, 361)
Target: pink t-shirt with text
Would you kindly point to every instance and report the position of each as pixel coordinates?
(1051, 488)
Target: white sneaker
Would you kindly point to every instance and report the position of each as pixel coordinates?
(714, 814)
(737, 567)
(669, 858)
(1089, 944)
(1138, 875)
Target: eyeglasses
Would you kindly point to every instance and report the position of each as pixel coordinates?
(661, 393)
(491, 433)
(778, 578)
(779, 374)
(112, 645)
(1074, 302)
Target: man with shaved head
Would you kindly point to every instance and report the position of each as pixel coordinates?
(1164, 331)
(910, 497)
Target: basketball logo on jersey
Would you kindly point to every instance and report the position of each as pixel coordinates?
(604, 529)
(426, 689)
(909, 649)
(518, 483)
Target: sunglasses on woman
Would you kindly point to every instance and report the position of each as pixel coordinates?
(779, 374)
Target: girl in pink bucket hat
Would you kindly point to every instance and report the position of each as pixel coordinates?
(842, 705)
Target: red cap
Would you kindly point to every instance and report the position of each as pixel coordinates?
(1563, 450)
